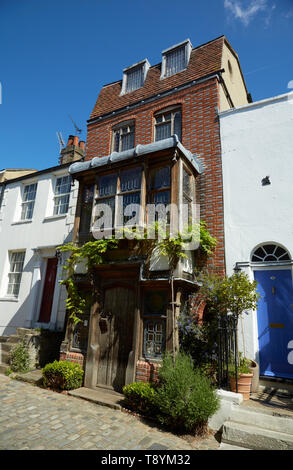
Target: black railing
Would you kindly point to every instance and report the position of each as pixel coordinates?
(227, 350)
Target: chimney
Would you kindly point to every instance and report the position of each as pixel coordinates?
(73, 151)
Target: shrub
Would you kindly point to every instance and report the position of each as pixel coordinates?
(140, 397)
(62, 375)
(19, 358)
(185, 396)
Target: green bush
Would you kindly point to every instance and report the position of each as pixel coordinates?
(19, 360)
(185, 397)
(140, 397)
(62, 375)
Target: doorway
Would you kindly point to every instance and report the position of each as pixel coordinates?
(48, 291)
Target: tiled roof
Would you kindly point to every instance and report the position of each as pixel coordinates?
(204, 60)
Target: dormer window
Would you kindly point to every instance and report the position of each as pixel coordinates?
(176, 58)
(134, 76)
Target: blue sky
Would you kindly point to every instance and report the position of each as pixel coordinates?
(57, 54)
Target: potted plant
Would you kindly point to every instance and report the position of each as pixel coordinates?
(244, 376)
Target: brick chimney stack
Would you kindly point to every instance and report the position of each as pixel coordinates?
(73, 151)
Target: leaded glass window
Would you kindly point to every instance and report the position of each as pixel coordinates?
(160, 188)
(123, 138)
(168, 124)
(86, 209)
(28, 201)
(154, 312)
(135, 79)
(175, 61)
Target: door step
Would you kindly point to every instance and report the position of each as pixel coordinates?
(258, 429)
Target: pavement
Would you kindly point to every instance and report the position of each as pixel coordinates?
(33, 418)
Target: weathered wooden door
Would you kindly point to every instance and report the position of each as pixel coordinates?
(115, 336)
(48, 291)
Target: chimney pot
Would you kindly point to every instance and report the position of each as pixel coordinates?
(75, 140)
(82, 145)
(70, 140)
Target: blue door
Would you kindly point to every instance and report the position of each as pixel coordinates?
(275, 322)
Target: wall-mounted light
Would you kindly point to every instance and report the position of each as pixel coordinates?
(236, 268)
(265, 181)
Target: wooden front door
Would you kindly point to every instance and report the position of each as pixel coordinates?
(48, 291)
(115, 336)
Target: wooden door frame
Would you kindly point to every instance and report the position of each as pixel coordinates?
(93, 350)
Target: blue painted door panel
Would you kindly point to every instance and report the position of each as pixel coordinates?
(275, 322)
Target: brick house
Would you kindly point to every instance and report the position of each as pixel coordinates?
(161, 122)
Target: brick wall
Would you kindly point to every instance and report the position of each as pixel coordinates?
(200, 135)
(147, 371)
(73, 357)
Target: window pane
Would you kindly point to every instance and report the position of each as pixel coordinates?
(163, 131)
(63, 185)
(175, 61)
(128, 200)
(160, 178)
(134, 79)
(130, 180)
(107, 185)
(127, 141)
(154, 338)
(155, 302)
(14, 275)
(108, 216)
(86, 208)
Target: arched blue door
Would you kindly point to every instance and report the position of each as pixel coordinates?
(275, 322)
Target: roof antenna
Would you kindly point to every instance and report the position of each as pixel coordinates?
(77, 129)
(61, 141)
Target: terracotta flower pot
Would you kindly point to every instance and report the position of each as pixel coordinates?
(244, 385)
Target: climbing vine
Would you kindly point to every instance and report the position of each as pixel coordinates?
(93, 253)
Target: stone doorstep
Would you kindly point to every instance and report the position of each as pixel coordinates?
(99, 396)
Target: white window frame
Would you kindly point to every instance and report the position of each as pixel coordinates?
(30, 201)
(144, 65)
(13, 274)
(187, 48)
(58, 197)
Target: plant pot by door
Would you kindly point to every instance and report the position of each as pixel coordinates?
(255, 379)
(244, 385)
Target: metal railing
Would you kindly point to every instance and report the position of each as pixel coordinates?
(227, 350)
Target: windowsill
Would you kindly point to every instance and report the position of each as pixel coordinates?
(9, 299)
(19, 222)
(53, 217)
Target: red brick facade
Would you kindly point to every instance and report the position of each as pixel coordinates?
(200, 135)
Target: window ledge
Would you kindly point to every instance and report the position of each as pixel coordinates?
(9, 299)
(19, 222)
(53, 217)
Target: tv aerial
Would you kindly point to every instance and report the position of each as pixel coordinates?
(61, 141)
(77, 129)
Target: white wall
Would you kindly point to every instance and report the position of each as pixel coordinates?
(257, 141)
(44, 232)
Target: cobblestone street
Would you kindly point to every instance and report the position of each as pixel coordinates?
(33, 418)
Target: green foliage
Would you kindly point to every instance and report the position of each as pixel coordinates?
(62, 375)
(92, 252)
(19, 358)
(243, 366)
(234, 294)
(185, 397)
(140, 397)
(8, 371)
(207, 242)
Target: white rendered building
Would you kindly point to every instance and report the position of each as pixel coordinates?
(257, 155)
(36, 216)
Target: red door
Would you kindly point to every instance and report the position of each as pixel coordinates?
(48, 291)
